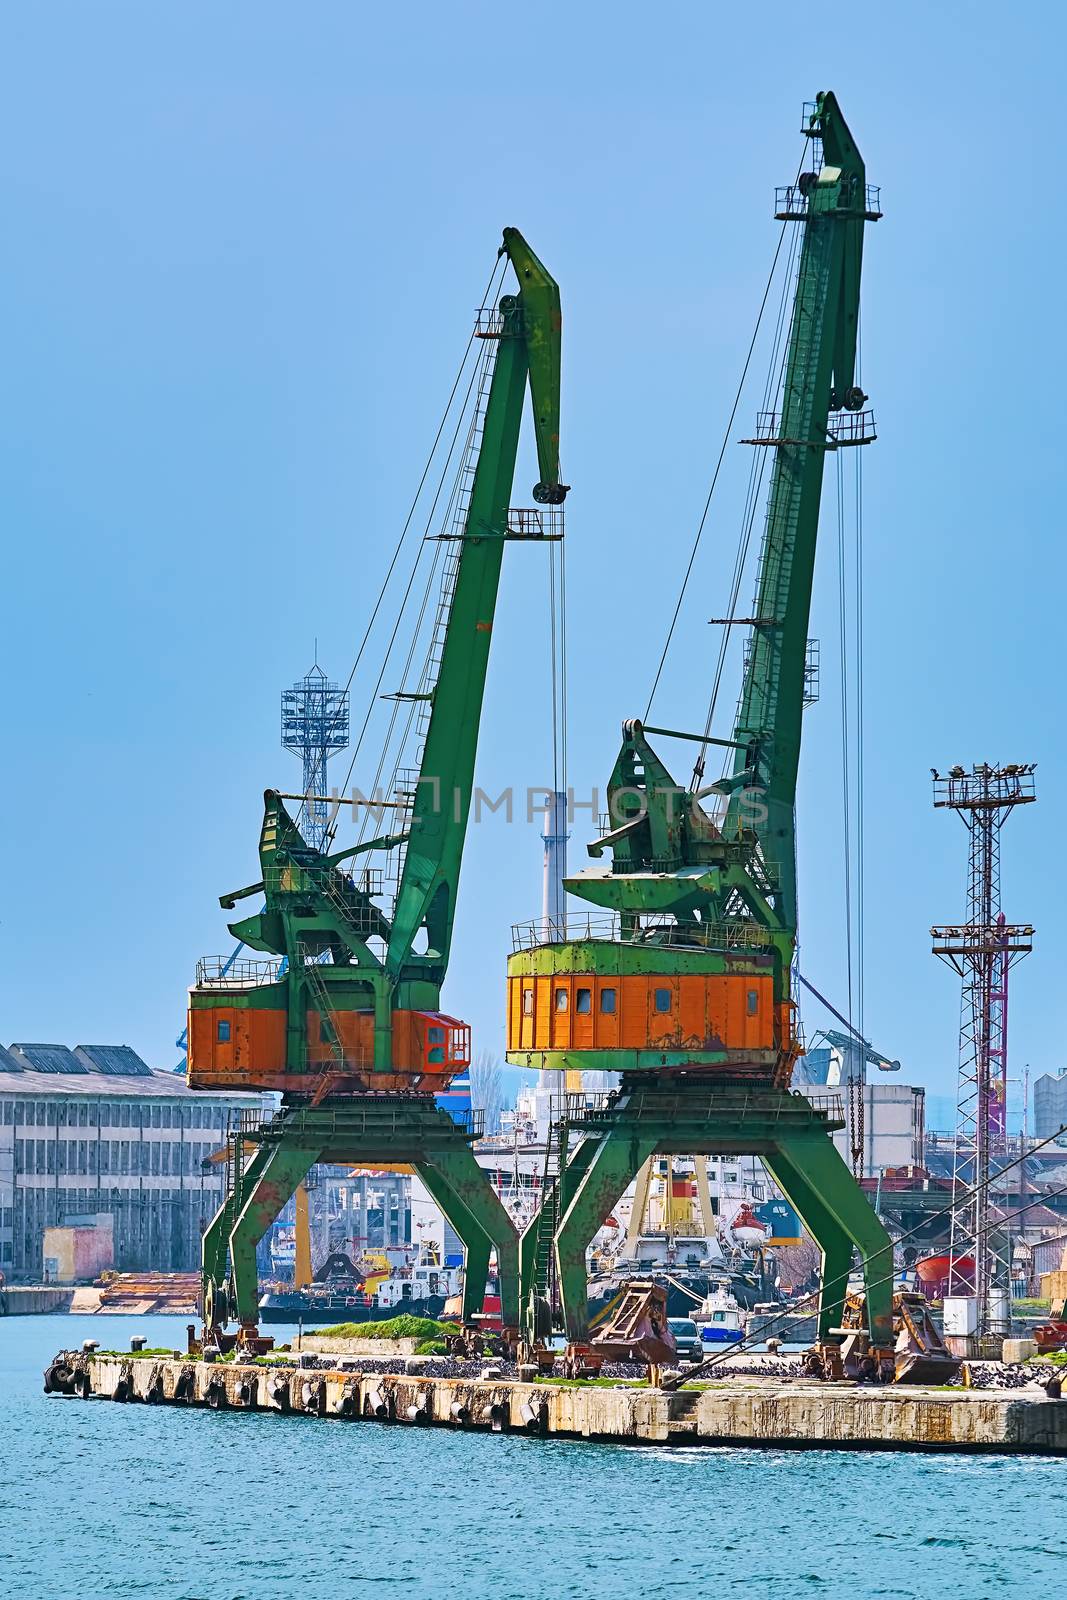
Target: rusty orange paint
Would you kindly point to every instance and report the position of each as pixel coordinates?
(585, 1011)
(429, 1048)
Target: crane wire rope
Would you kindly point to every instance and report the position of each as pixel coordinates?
(789, 1313)
(718, 466)
(563, 664)
(428, 589)
(860, 649)
(855, 1073)
(772, 387)
(414, 506)
(852, 775)
(486, 296)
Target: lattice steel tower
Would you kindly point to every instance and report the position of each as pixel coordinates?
(314, 726)
(982, 950)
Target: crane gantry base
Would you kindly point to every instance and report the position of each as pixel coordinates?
(603, 1150)
(370, 1130)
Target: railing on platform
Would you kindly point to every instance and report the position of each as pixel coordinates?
(536, 522)
(736, 1098)
(490, 322)
(223, 972)
(843, 430)
(659, 931)
(377, 1114)
(471, 1119)
(791, 201)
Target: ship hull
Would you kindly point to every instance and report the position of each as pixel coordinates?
(338, 1308)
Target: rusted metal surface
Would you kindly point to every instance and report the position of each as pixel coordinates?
(638, 1329)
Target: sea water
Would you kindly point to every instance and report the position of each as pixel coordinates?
(100, 1500)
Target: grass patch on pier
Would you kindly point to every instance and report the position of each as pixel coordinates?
(595, 1383)
(144, 1355)
(402, 1327)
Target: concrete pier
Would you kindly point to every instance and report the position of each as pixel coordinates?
(737, 1411)
(30, 1300)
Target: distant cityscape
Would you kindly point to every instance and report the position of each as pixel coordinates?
(108, 1164)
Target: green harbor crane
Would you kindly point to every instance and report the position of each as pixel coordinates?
(343, 1019)
(683, 984)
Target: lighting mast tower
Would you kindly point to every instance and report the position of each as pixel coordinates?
(981, 950)
(314, 726)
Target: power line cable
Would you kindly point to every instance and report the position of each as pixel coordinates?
(842, 1278)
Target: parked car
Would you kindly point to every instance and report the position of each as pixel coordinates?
(686, 1337)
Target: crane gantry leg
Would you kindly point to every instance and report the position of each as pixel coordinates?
(365, 1131)
(791, 1135)
(836, 1212)
(613, 1162)
(264, 1197)
(477, 1215)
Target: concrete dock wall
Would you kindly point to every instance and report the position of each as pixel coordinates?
(33, 1300)
(756, 1412)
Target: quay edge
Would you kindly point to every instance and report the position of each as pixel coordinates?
(744, 1412)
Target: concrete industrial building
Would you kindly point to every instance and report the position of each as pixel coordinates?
(1050, 1104)
(95, 1131)
(894, 1114)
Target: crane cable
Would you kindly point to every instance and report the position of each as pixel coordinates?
(487, 293)
(789, 1313)
(428, 590)
(772, 389)
(856, 1074)
(852, 775)
(414, 504)
(718, 465)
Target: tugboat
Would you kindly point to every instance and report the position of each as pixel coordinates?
(720, 1318)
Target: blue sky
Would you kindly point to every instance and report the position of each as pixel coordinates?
(242, 249)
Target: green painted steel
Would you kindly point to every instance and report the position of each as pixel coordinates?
(819, 379)
(669, 858)
(697, 895)
(529, 354)
(311, 905)
(360, 1131)
(313, 908)
(286, 1165)
(538, 1257)
(784, 1128)
(470, 1203)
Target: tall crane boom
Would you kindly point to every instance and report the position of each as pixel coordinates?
(685, 992)
(720, 890)
(361, 1006)
(819, 382)
(528, 355)
(348, 1026)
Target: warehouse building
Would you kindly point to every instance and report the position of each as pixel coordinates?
(95, 1133)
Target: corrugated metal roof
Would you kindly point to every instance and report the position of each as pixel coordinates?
(48, 1058)
(117, 1059)
(91, 1085)
(8, 1062)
